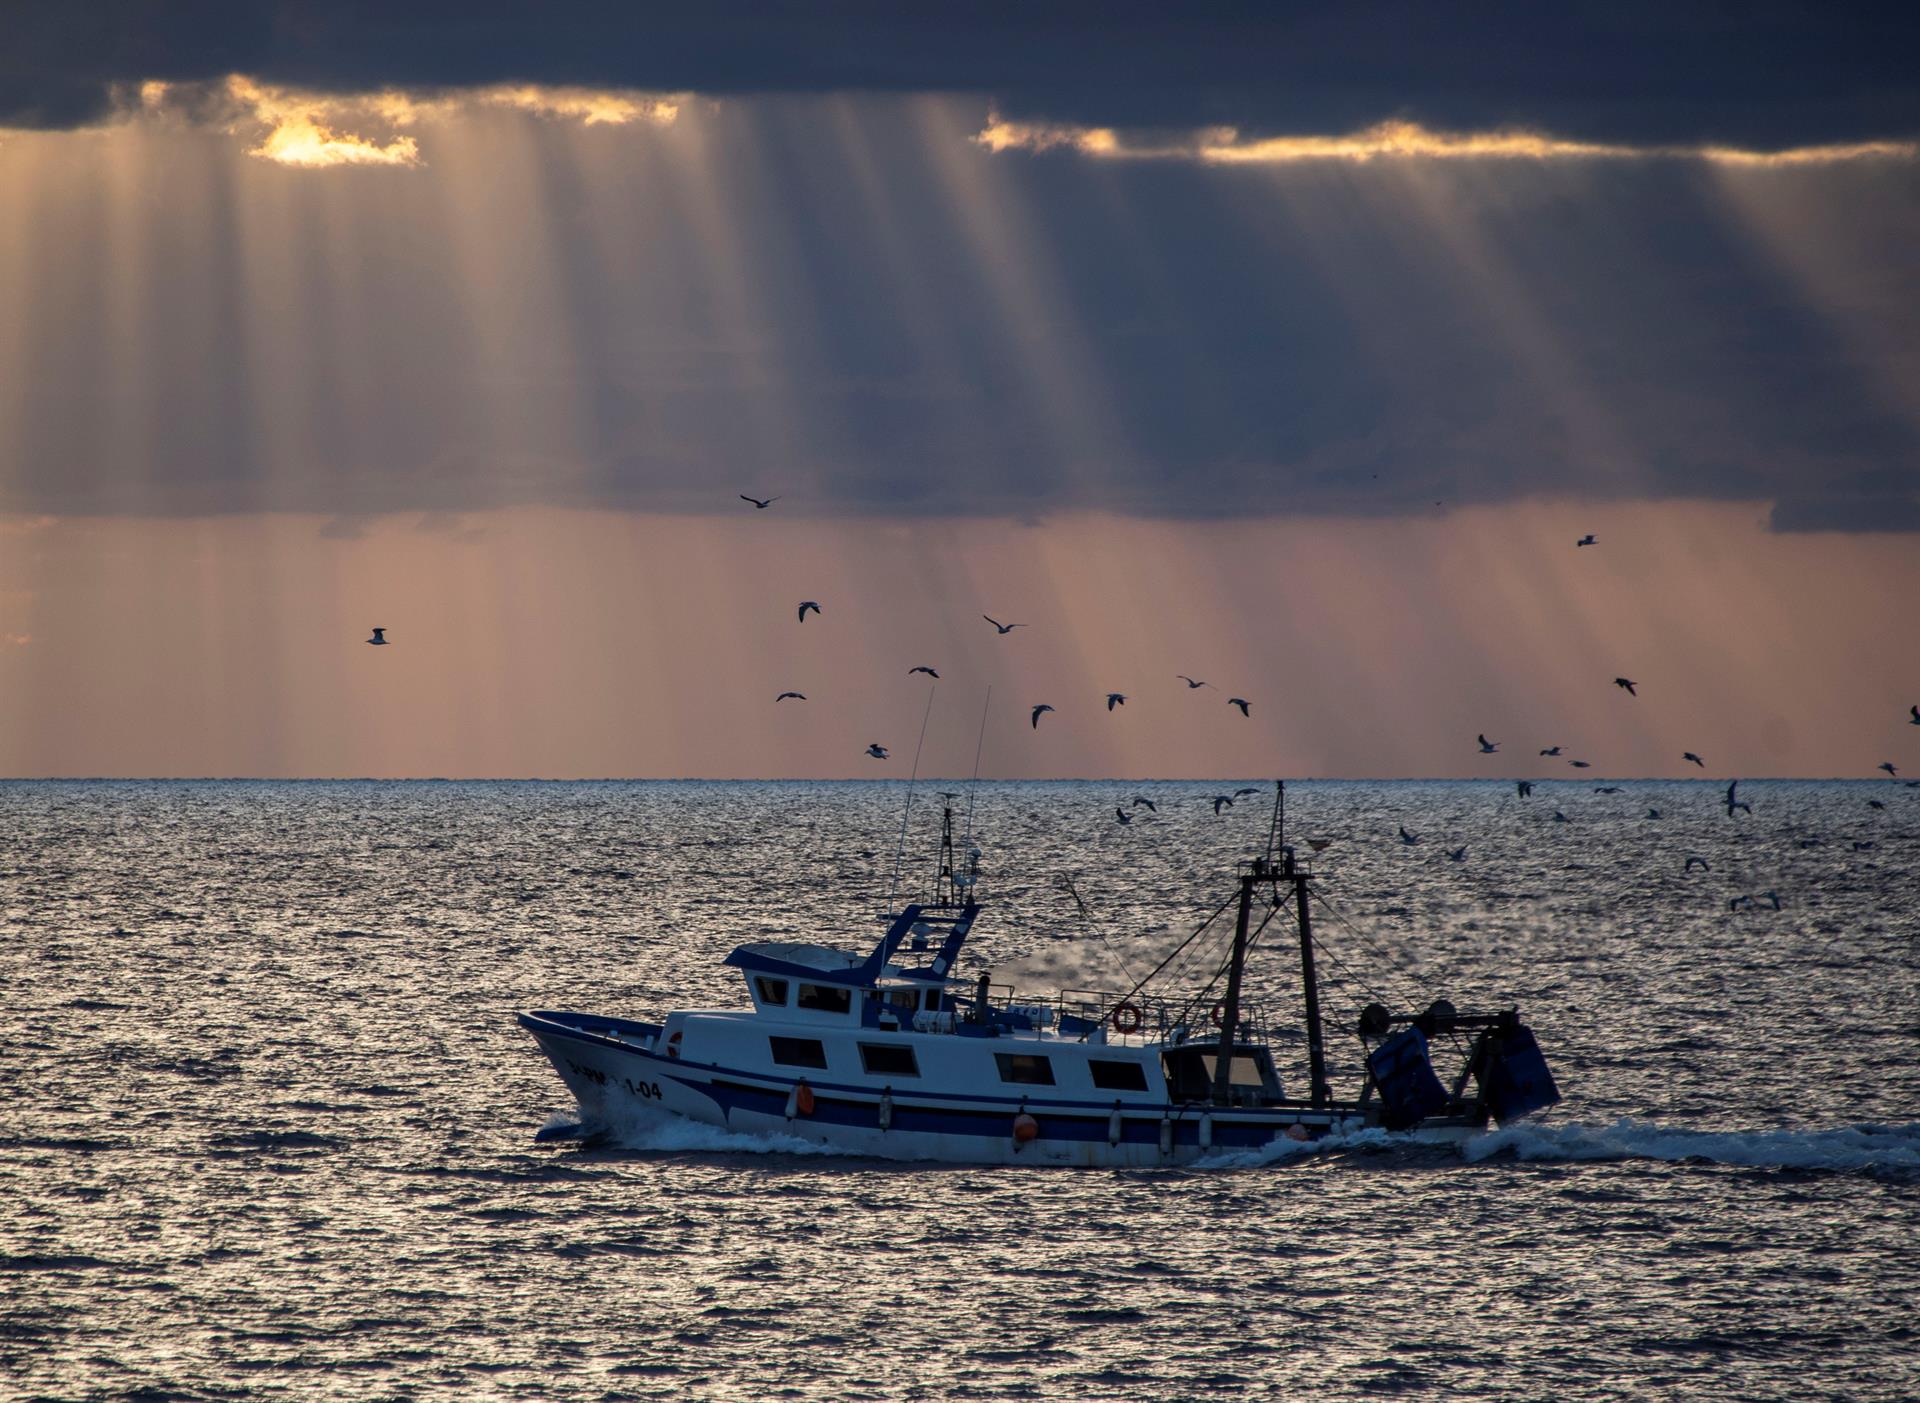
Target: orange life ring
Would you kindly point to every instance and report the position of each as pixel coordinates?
(803, 1099)
(1126, 1018)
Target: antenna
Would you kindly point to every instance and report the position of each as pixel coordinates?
(1276, 829)
(901, 851)
(974, 783)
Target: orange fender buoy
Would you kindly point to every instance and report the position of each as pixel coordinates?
(803, 1099)
(1025, 1128)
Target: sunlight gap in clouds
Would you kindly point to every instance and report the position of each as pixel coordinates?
(1398, 141)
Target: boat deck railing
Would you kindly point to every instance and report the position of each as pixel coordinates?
(1133, 1017)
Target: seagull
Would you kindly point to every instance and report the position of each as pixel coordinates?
(1580, 764)
(1038, 712)
(1587, 540)
(1916, 716)
(1115, 699)
(379, 639)
(1004, 628)
(1221, 801)
(1525, 786)
(877, 751)
(1689, 755)
(1702, 863)
(1123, 815)
(1458, 854)
(1875, 804)
(1191, 684)
(1627, 683)
(1733, 803)
(797, 696)
(1242, 793)
(1408, 838)
(1771, 895)
(1147, 804)
(1551, 750)
(1559, 817)
(1887, 765)
(1319, 845)
(1606, 789)
(1653, 813)
(1863, 847)
(1240, 702)
(929, 671)
(761, 503)
(1488, 747)
(1738, 902)
(806, 605)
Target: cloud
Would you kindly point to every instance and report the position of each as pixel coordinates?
(1405, 141)
(1638, 72)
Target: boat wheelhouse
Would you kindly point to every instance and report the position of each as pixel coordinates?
(894, 1054)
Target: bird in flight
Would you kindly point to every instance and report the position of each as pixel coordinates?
(1123, 815)
(1699, 860)
(1140, 803)
(806, 605)
(1887, 765)
(1587, 540)
(1733, 803)
(1552, 750)
(929, 671)
(1489, 747)
(1191, 684)
(1559, 817)
(877, 751)
(1038, 712)
(1221, 801)
(1606, 789)
(1689, 755)
(1407, 837)
(1875, 804)
(1580, 764)
(1627, 683)
(1916, 716)
(1115, 699)
(1242, 703)
(761, 503)
(1242, 793)
(797, 696)
(1458, 854)
(379, 639)
(1004, 628)
(1525, 786)
(1653, 813)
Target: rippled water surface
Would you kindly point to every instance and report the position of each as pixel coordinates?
(267, 1120)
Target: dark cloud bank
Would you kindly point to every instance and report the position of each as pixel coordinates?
(1763, 75)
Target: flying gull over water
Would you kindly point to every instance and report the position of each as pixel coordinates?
(1875, 804)
(1242, 793)
(1559, 817)
(1733, 803)
(1916, 716)
(1627, 684)
(1140, 803)
(1191, 684)
(1653, 813)
(761, 502)
(1004, 628)
(1240, 702)
(877, 751)
(1689, 755)
(1407, 837)
(1489, 747)
(1587, 540)
(1701, 861)
(1887, 765)
(1123, 815)
(1552, 750)
(1458, 854)
(797, 696)
(1221, 801)
(1038, 712)
(805, 605)
(1525, 786)
(1580, 764)
(929, 671)
(379, 639)
(1115, 699)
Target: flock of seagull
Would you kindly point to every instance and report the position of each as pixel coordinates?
(1221, 802)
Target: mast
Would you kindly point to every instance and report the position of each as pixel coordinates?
(1310, 985)
(1230, 1010)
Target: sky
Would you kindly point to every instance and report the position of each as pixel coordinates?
(1288, 349)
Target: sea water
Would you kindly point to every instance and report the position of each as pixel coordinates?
(268, 1123)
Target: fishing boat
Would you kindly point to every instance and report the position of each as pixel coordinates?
(898, 1055)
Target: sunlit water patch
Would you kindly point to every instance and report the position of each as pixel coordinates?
(268, 1123)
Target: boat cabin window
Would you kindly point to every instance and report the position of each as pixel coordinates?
(1190, 1072)
(1118, 1076)
(888, 1060)
(798, 1052)
(770, 990)
(933, 1000)
(825, 998)
(1024, 1067)
(903, 1000)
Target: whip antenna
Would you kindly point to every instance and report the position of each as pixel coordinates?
(974, 783)
(900, 852)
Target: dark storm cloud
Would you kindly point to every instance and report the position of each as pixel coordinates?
(1765, 75)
